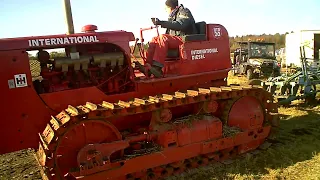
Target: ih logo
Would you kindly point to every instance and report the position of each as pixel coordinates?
(20, 80)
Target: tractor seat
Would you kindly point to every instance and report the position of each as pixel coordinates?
(202, 33)
(173, 54)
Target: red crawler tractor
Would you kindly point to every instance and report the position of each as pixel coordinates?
(112, 122)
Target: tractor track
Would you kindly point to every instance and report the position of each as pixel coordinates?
(62, 123)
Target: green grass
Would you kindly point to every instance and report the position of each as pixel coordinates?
(295, 155)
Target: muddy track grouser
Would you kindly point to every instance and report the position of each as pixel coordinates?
(93, 114)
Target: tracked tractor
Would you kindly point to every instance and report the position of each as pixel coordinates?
(95, 114)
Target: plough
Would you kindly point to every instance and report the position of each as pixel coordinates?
(297, 86)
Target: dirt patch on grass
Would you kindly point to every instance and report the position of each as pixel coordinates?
(19, 165)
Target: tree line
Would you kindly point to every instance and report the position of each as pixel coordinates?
(53, 54)
(278, 39)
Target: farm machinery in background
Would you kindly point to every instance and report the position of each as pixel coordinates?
(94, 115)
(281, 57)
(300, 85)
(302, 58)
(255, 59)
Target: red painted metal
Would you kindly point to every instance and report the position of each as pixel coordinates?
(100, 137)
(193, 141)
(245, 108)
(89, 28)
(22, 43)
(146, 29)
(79, 136)
(211, 106)
(95, 116)
(165, 116)
(25, 112)
(171, 155)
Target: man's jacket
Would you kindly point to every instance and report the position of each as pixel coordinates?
(180, 22)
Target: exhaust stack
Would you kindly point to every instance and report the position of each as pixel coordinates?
(69, 20)
(68, 16)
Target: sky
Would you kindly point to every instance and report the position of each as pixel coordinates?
(20, 18)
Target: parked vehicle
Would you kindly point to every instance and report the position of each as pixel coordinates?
(255, 59)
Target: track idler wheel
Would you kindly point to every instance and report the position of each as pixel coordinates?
(246, 113)
(78, 136)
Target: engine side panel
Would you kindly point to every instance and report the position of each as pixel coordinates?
(22, 111)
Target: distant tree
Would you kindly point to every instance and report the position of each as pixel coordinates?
(55, 54)
(137, 52)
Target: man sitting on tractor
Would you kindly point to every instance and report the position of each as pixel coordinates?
(180, 22)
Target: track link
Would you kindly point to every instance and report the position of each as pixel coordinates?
(216, 149)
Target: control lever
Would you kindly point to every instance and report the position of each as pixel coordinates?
(135, 45)
(153, 20)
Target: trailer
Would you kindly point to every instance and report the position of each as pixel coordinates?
(309, 39)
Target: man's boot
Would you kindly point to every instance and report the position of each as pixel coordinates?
(155, 69)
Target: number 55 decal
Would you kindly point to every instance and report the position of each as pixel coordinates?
(217, 32)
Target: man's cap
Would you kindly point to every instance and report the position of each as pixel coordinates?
(172, 3)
